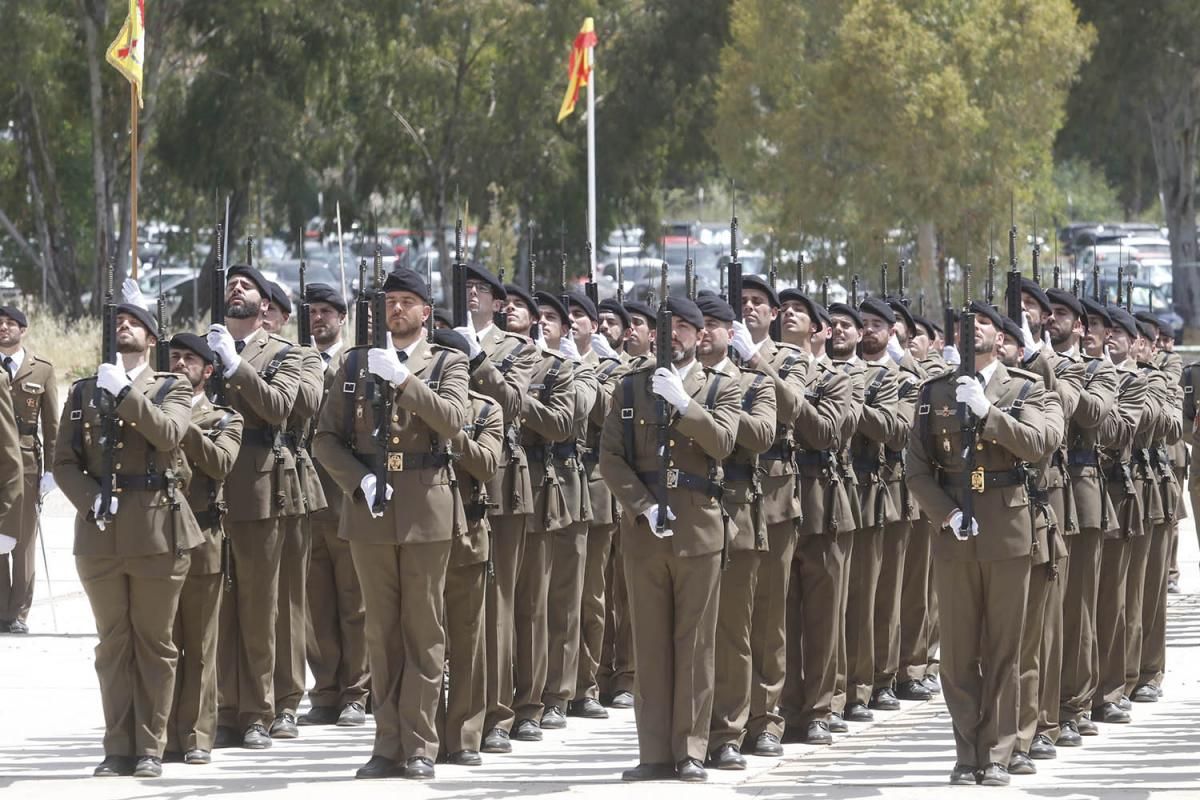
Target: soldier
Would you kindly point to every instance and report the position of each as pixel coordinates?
(211, 446)
(747, 541)
(639, 339)
(132, 557)
(11, 483)
(262, 374)
(983, 566)
(401, 544)
(335, 640)
(673, 551)
(614, 322)
(35, 400)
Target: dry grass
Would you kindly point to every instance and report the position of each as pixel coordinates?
(72, 346)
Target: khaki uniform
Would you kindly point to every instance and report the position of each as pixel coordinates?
(35, 400)
(982, 583)
(401, 556)
(11, 482)
(211, 445)
(133, 571)
(261, 489)
(673, 582)
(856, 372)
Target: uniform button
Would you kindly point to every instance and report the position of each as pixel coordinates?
(672, 443)
(120, 445)
(395, 440)
(116, 466)
(979, 446)
(395, 417)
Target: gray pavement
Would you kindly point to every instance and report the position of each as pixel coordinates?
(51, 726)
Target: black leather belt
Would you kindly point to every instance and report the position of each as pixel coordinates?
(677, 479)
(739, 472)
(260, 436)
(1118, 471)
(563, 451)
(778, 452)
(1082, 458)
(813, 458)
(153, 482)
(981, 480)
(407, 461)
(866, 466)
(27, 428)
(207, 519)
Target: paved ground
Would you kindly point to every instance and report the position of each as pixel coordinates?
(50, 730)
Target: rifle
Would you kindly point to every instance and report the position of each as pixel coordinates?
(854, 291)
(948, 321)
(1120, 282)
(825, 291)
(106, 403)
(564, 295)
(883, 279)
(733, 282)
(216, 312)
(499, 319)
(304, 323)
(620, 280)
(902, 268)
(1037, 252)
(250, 251)
(662, 356)
(381, 338)
(429, 323)
(776, 329)
(689, 273)
(458, 278)
(362, 308)
(1129, 296)
(1012, 290)
(800, 287)
(1095, 276)
(533, 323)
(590, 288)
(990, 286)
(967, 367)
(162, 353)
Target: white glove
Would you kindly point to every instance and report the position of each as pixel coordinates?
(131, 294)
(1107, 354)
(894, 349)
(112, 510)
(970, 392)
(221, 342)
(602, 347)
(383, 362)
(1046, 337)
(47, 484)
(112, 378)
(743, 342)
(468, 333)
(651, 515)
(567, 346)
(956, 526)
(368, 485)
(950, 355)
(1032, 345)
(669, 386)
(7, 544)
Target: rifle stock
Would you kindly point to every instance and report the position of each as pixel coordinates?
(458, 278)
(162, 353)
(304, 321)
(362, 308)
(216, 384)
(662, 357)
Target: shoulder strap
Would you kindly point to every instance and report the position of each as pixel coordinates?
(751, 391)
(511, 358)
(350, 390)
(1014, 410)
(710, 399)
(610, 368)
(1189, 394)
(77, 418)
(873, 388)
(922, 422)
(164, 390)
(785, 368)
(551, 379)
(276, 362)
(435, 374)
(481, 418)
(627, 416)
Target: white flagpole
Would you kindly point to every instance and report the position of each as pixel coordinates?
(591, 155)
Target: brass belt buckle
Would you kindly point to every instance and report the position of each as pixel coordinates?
(395, 462)
(672, 479)
(977, 480)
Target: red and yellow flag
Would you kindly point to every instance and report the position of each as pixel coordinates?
(127, 53)
(579, 68)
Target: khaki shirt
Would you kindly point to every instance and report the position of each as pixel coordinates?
(35, 399)
(211, 445)
(11, 485)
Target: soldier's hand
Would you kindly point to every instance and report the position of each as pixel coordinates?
(112, 510)
(368, 485)
(221, 341)
(568, 348)
(894, 349)
(955, 526)
(7, 544)
(602, 347)
(667, 384)
(131, 294)
(651, 515)
(970, 391)
(468, 333)
(382, 362)
(743, 342)
(1031, 344)
(950, 355)
(112, 378)
(47, 484)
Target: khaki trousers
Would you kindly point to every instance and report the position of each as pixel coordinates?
(1051, 659)
(768, 631)
(568, 562)
(18, 569)
(888, 598)
(1030, 669)
(812, 640)
(593, 609)
(837, 703)
(531, 625)
(246, 642)
(915, 614)
(290, 621)
(1154, 607)
(193, 720)
(465, 704)
(865, 567)
(335, 641)
(403, 588)
(1111, 625)
(983, 606)
(1081, 662)
(616, 672)
(674, 604)
(507, 548)
(733, 664)
(134, 600)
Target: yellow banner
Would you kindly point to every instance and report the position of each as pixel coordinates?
(127, 53)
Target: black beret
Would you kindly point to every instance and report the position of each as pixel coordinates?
(279, 296)
(711, 305)
(15, 315)
(613, 307)
(1035, 291)
(791, 294)
(515, 292)
(1064, 298)
(902, 311)
(406, 280)
(443, 316)
(190, 341)
(1149, 319)
(451, 338)
(264, 285)
(555, 303)
(823, 313)
(989, 311)
(639, 308)
(686, 310)
(1147, 330)
(480, 273)
(846, 311)
(580, 299)
(1012, 331)
(878, 307)
(756, 282)
(1094, 307)
(928, 325)
(324, 293)
(141, 315)
(1124, 320)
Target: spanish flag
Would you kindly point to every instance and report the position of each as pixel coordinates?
(579, 68)
(128, 51)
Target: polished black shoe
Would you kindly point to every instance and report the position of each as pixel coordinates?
(1172, 587)
(1042, 748)
(319, 715)
(1021, 764)
(418, 768)
(912, 690)
(649, 772)
(148, 767)
(933, 683)
(197, 756)
(284, 726)
(817, 732)
(1144, 694)
(352, 716)
(1068, 735)
(621, 700)
(553, 719)
(963, 775)
(766, 745)
(586, 707)
(17, 626)
(465, 758)
(227, 737)
(1125, 704)
(994, 775)
(691, 771)
(727, 756)
(884, 700)
(377, 767)
(256, 738)
(496, 741)
(857, 712)
(115, 767)
(1109, 713)
(527, 730)
(1086, 726)
(837, 724)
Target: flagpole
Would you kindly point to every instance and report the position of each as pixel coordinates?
(591, 157)
(133, 180)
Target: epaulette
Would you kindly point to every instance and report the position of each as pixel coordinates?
(715, 371)
(1017, 372)
(793, 347)
(280, 339)
(474, 395)
(36, 357)
(949, 375)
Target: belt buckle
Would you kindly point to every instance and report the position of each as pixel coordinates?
(978, 481)
(395, 462)
(672, 479)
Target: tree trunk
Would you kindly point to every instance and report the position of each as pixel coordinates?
(94, 16)
(927, 255)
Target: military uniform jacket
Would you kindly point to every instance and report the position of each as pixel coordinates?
(547, 421)
(329, 488)
(909, 377)
(477, 451)
(878, 496)
(11, 484)
(1097, 395)
(425, 414)
(1189, 382)
(1161, 425)
(569, 461)
(1117, 433)
(153, 416)
(504, 374)
(607, 371)
(35, 400)
(300, 426)
(263, 389)
(855, 371)
(788, 368)
(936, 460)
(701, 439)
(211, 445)
(818, 436)
(755, 433)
